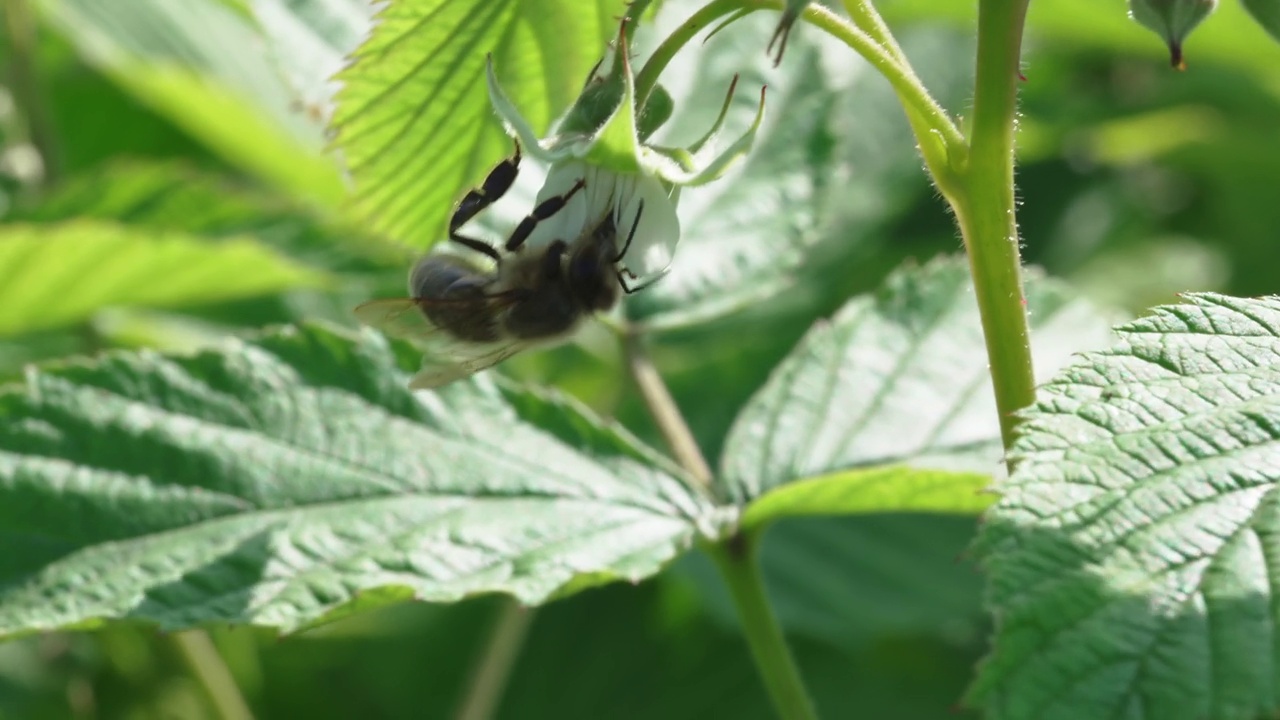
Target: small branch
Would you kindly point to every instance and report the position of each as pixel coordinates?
(735, 557)
(647, 78)
(212, 673)
(738, 565)
(866, 18)
(666, 414)
(986, 211)
(489, 676)
(940, 141)
(20, 28)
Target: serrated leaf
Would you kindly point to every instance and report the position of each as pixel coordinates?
(204, 66)
(309, 41)
(1132, 555)
(173, 197)
(413, 118)
(895, 379)
(274, 481)
(57, 274)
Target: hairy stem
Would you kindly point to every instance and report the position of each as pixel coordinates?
(647, 78)
(662, 407)
(940, 141)
(489, 676)
(212, 673)
(864, 16)
(735, 557)
(985, 210)
(740, 568)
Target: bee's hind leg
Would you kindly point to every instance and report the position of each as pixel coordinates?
(631, 236)
(496, 184)
(623, 274)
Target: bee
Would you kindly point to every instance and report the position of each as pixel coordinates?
(469, 317)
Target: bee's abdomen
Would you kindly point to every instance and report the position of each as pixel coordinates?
(454, 295)
(543, 314)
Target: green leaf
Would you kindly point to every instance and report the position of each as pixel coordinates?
(275, 481)
(309, 41)
(1132, 555)
(413, 118)
(1267, 13)
(875, 490)
(896, 380)
(173, 197)
(204, 66)
(57, 274)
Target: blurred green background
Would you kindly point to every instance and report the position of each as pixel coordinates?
(171, 135)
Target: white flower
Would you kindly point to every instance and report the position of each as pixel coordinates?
(598, 141)
(643, 211)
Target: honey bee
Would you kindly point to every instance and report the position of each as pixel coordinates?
(469, 317)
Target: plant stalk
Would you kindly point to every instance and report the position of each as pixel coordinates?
(661, 56)
(866, 18)
(20, 27)
(735, 557)
(211, 672)
(986, 212)
(739, 566)
(490, 674)
(935, 131)
(940, 142)
(666, 414)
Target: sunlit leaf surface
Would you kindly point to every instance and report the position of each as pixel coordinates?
(57, 274)
(278, 480)
(413, 118)
(1133, 557)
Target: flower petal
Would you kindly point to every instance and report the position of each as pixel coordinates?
(654, 230)
(569, 222)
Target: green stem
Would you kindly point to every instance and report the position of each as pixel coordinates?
(941, 143)
(864, 15)
(985, 210)
(740, 569)
(662, 407)
(20, 27)
(736, 556)
(489, 677)
(212, 673)
(647, 78)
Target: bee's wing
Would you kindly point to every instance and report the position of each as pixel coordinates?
(397, 317)
(446, 357)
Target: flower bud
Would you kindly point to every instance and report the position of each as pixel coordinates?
(1173, 20)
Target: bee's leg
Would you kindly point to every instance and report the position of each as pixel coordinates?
(623, 274)
(630, 236)
(544, 210)
(496, 184)
(551, 265)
